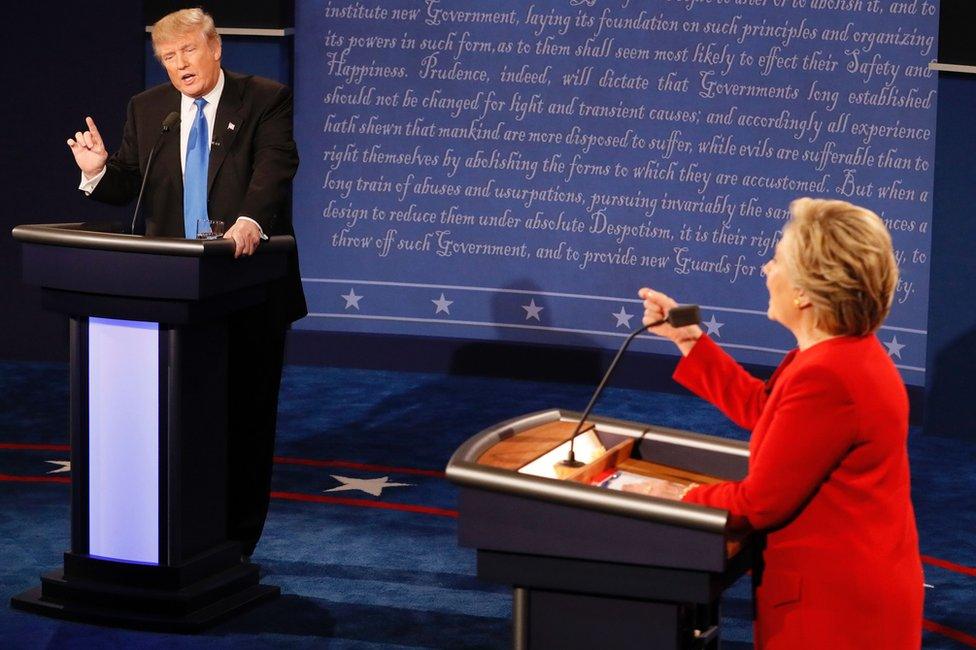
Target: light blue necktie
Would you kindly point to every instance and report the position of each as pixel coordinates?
(195, 173)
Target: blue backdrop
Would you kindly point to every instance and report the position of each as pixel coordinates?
(518, 171)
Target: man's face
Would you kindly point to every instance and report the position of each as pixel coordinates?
(193, 64)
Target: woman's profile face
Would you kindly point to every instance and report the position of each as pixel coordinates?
(781, 290)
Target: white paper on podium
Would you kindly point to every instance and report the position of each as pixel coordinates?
(586, 449)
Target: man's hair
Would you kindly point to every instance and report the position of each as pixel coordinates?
(841, 256)
(184, 21)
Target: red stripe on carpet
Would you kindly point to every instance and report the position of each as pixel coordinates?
(8, 478)
(363, 503)
(284, 460)
(35, 447)
(365, 467)
(952, 633)
(951, 566)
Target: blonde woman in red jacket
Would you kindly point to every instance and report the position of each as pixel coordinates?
(828, 479)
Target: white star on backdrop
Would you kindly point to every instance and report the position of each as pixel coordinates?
(442, 304)
(532, 310)
(63, 466)
(372, 486)
(352, 300)
(713, 326)
(623, 318)
(894, 347)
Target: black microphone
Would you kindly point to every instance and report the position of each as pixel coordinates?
(169, 122)
(678, 316)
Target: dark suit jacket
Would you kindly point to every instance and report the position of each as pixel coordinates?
(250, 170)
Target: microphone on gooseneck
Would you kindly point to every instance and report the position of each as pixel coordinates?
(678, 316)
(169, 122)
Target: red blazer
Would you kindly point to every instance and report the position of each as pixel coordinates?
(828, 482)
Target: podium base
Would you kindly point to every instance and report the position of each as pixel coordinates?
(32, 601)
(162, 600)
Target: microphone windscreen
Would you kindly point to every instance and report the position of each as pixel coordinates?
(171, 120)
(683, 315)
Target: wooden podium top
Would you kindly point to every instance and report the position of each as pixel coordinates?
(525, 446)
(519, 450)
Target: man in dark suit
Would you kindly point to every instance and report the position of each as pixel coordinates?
(232, 159)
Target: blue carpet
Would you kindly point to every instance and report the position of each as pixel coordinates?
(359, 577)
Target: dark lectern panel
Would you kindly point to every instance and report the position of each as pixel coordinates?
(78, 428)
(157, 311)
(94, 271)
(97, 271)
(503, 522)
(656, 447)
(571, 622)
(624, 580)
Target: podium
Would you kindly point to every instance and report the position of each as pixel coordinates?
(592, 566)
(148, 423)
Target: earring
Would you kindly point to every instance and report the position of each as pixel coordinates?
(797, 303)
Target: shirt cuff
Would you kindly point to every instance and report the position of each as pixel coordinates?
(87, 185)
(260, 229)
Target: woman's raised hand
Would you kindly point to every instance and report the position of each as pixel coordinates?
(656, 308)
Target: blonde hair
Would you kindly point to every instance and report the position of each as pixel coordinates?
(841, 256)
(179, 23)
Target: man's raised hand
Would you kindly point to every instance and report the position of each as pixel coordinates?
(89, 150)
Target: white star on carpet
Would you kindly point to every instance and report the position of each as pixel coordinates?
(63, 466)
(713, 326)
(372, 486)
(623, 318)
(532, 310)
(443, 305)
(894, 347)
(352, 300)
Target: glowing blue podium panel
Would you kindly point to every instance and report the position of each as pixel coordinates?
(123, 442)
